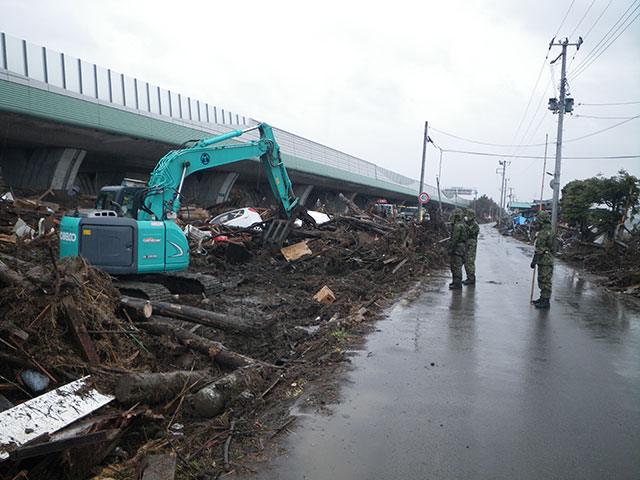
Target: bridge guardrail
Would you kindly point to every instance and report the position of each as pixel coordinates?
(77, 77)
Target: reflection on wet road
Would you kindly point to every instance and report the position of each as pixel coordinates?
(478, 384)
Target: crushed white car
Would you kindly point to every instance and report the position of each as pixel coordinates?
(240, 218)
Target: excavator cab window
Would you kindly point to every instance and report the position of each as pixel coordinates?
(128, 210)
(105, 200)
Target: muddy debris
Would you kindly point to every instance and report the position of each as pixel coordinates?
(615, 260)
(201, 385)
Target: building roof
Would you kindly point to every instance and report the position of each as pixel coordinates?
(519, 205)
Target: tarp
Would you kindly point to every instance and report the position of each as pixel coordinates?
(519, 220)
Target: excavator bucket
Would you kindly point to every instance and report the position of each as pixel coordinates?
(277, 231)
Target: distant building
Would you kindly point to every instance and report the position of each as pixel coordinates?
(528, 209)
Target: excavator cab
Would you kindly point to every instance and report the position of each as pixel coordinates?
(124, 200)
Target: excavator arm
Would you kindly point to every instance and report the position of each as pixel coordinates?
(167, 179)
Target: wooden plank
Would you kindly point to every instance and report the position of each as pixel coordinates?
(48, 413)
(76, 321)
(63, 444)
(295, 251)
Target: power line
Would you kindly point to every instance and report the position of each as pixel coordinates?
(563, 20)
(597, 19)
(626, 120)
(618, 28)
(607, 104)
(603, 130)
(482, 143)
(582, 19)
(604, 38)
(576, 74)
(605, 118)
(487, 154)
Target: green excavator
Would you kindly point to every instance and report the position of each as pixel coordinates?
(132, 230)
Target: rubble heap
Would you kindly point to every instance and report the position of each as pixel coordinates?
(200, 385)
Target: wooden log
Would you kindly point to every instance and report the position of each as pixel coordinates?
(153, 388)
(217, 351)
(205, 317)
(137, 308)
(11, 277)
(350, 204)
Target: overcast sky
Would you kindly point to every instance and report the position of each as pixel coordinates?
(363, 76)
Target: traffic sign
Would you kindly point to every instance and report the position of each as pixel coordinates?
(423, 197)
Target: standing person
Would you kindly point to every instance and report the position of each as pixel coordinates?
(543, 257)
(457, 248)
(472, 244)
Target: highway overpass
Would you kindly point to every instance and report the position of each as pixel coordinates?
(65, 122)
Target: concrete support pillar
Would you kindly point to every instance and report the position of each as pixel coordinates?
(42, 169)
(302, 192)
(210, 188)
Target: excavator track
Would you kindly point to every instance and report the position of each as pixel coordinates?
(177, 283)
(194, 283)
(150, 291)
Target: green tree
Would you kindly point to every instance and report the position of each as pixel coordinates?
(577, 198)
(484, 206)
(600, 202)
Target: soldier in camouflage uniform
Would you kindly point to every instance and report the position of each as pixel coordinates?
(472, 245)
(457, 248)
(543, 257)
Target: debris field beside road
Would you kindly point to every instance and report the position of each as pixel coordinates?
(200, 385)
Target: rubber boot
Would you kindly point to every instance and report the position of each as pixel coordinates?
(536, 301)
(468, 282)
(455, 286)
(543, 303)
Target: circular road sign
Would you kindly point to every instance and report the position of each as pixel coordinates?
(423, 197)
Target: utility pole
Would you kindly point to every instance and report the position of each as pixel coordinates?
(502, 190)
(560, 107)
(424, 158)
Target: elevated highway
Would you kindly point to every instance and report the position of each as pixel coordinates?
(65, 122)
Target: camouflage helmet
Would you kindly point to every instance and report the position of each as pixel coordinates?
(456, 215)
(471, 214)
(543, 218)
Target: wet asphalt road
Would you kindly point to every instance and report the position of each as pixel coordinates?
(478, 384)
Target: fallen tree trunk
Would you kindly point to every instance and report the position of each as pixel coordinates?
(137, 308)
(217, 351)
(350, 204)
(205, 317)
(153, 388)
(11, 277)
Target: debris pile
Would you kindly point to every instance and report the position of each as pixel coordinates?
(617, 260)
(199, 385)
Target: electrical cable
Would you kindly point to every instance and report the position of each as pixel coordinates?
(605, 118)
(582, 19)
(563, 20)
(603, 46)
(488, 154)
(603, 130)
(577, 73)
(604, 38)
(607, 104)
(584, 37)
